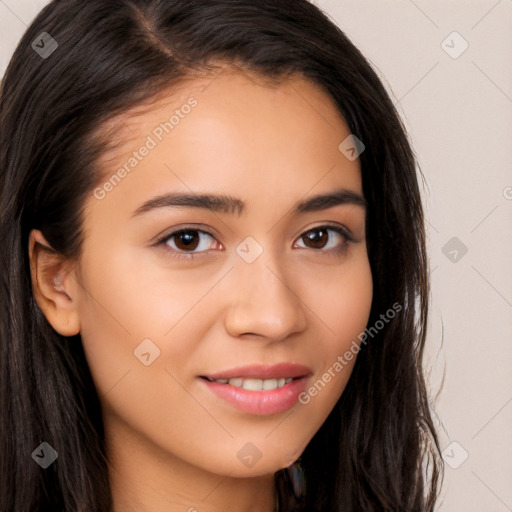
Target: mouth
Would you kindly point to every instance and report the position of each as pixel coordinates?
(258, 389)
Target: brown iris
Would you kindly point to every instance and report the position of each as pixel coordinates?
(187, 239)
(318, 241)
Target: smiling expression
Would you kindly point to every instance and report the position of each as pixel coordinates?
(237, 239)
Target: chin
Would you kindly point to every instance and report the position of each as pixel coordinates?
(250, 462)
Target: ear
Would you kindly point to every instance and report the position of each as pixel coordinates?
(53, 286)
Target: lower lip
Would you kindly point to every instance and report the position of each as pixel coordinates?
(272, 401)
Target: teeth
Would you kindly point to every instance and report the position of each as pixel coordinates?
(256, 384)
(269, 384)
(252, 384)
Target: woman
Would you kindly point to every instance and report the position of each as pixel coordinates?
(214, 275)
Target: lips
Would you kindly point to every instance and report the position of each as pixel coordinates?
(258, 371)
(259, 389)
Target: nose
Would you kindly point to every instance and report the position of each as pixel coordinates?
(264, 302)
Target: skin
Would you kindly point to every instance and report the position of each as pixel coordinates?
(173, 444)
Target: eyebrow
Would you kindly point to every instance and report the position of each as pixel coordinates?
(228, 204)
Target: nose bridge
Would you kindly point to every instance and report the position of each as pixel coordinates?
(264, 301)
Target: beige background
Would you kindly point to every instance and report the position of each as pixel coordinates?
(458, 109)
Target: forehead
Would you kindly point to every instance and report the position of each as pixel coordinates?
(227, 96)
(233, 132)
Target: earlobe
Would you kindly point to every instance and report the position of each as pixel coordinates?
(53, 285)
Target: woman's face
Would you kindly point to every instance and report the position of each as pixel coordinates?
(261, 276)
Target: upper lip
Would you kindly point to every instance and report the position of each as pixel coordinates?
(259, 371)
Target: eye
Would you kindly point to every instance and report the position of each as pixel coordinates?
(185, 241)
(318, 238)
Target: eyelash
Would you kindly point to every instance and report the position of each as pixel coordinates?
(348, 238)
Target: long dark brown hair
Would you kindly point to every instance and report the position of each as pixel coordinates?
(378, 449)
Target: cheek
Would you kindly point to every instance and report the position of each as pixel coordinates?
(143, 297)
(127, 301)
(342, 299)
(342, 305)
